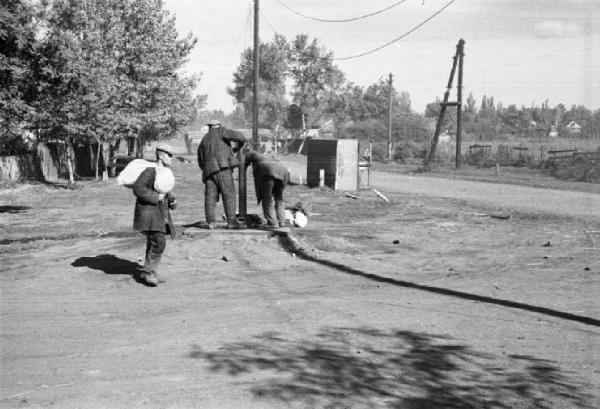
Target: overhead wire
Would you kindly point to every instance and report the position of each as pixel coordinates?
(267, 21)
(341, 20)
(412, 30)
(226, 65)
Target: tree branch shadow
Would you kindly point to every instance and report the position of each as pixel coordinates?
(369, 368)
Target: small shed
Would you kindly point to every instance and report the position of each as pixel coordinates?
(339, 160)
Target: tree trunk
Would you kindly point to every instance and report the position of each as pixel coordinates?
(139, 147)
(92, 157)
(113, 157)
(105, 158)
(188, 143)
(70, 162)
(97, 159)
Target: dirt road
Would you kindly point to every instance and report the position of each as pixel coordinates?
(502, 196)
(423, 302)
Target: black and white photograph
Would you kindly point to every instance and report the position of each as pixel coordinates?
(305, 204)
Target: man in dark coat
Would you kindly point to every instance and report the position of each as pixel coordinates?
(152, 216)
(217, 161)
(270, 179)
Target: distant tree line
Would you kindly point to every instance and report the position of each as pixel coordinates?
(94, 71)
(100, 71)
(320, 94)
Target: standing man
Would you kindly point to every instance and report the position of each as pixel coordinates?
(270, 179)
(152, 216)
(217, 161)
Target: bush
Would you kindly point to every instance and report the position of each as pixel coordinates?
(380, 153)
(409, 150)
(583, 168)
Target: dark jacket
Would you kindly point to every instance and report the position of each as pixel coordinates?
(264, 166)
(150, 214)
(214, 151)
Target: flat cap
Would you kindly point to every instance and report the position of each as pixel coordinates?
(165, 148)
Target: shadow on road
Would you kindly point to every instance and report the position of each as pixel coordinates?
(108, 263)
(13, 209)
(369, 368)
(292, 245)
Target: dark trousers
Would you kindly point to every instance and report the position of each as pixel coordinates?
(271, 192)
(220, 183)
(155, 246)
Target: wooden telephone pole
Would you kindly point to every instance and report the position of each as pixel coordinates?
(457, 61)
(255, 65)
(390, 153)
(242, 191)
(389, 146)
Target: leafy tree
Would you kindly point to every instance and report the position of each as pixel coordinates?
(317, 81)
(510, 117)
(17, 58)
(273, 57)
(114, 72)
(294, 117)
(469, 109)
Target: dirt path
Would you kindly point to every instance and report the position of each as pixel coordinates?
(502, 196)
(423, 302)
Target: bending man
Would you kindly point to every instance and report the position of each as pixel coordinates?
(270, 179)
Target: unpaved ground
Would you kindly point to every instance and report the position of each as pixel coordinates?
(423, 302)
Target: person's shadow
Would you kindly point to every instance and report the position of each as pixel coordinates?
(111, 264)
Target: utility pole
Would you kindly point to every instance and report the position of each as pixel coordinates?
(255, 137)
(390, 119)
(242, 191)
(459, 107)
(445, 103)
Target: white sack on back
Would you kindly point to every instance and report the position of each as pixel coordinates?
(164, 181)
(132, 171)
(300, 219)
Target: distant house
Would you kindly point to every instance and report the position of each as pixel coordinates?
(573, 128)
(552, 131)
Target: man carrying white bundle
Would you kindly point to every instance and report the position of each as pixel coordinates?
(152, 217)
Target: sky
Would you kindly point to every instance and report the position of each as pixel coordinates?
(520, 52)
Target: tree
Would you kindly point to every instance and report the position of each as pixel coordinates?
(272, 75)
(469, 110)
(18, 56)
(316, 81)
(114, 72)
(510, 117)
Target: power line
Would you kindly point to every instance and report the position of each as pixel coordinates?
(341, 20)
(226, 65)
(398, 38)
(267, 21)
